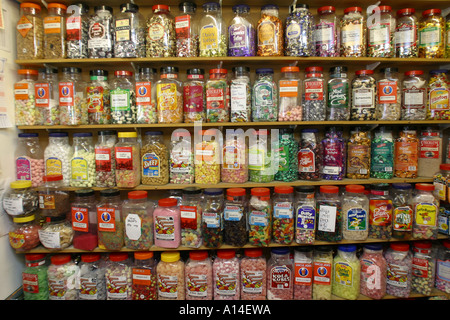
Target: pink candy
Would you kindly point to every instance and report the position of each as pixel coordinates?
(373, 272)
(253, 275)
(226, 275)
(198, 276)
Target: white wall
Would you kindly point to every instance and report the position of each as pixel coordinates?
(11, 264)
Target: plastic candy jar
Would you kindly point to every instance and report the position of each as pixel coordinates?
(373, 271)
(143, 273)
(326, 32)
(358, 153)
(118, 276)
(54, 24)
(105, 159)
(24, 98)
(438, 95)
(155, 159)
(298, 37)
(380, 212)
(309, 155)
(101, 33)
(169, 96)
(346, 272)
(170, 275)
(329, 214)
(212, 218)
(73, 109)
(260, 217)
(98, 97)
(322, 272)
(30, 32)
(34, 277)
(194, 96)
(20, 200)
(235, 217)
(161, 36)
(186, 30)
(389, 95)
(240, 95)
(287, 154)
(406, 34)
(253, 268)
(442, 264)
(290, 95)
(314, 86)
(110, 224)
(414, 96)
(355, 208)
(181, 158)
(213, 32)
(207, 158)
(443, 218)
(83, 161)
(53, 200)
(128, 162)
(426, 209)
(46, 93)
(305, 214)
(84, 220)
(191, 217)
(226, 275)
(56, 233)
(353, 33)
(303, 273)
(217, 96)
(441, 182)
(167, 225)
(430, 152)
(24, 233)
(146, 96)
(382, 154)
(399, 269)
(92, 277)
(280, 275)
(423, 267)
(129, 29)
(402, 216)
(63, 276)
(269, 32)
(431, 34)
(334, 155)
(406, 153)
(137, 216)
(57, 156)
(260, 156)
(234, 167)
(264, 96)
(77, 31)
(283, 215)
(380, 42)
(241, 33)
(364, 91)
(123, 98)
(338, 95)
(199, 276)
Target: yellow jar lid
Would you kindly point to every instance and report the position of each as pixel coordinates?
(127, 134)
(23, 219)
(20, 184)
(170, 256)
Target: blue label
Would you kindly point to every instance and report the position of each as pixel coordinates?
(306, 217)
(150, 165)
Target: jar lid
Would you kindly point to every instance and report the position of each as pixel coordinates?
(382, 9)
(192, 190)
(198, 71)
(59, 259)
(129, 7)
(130, 134)
(98, 73)
(57, 5)
(338, 69)
(48, 70)
(109, 193)
(269, 7)
(147, 70)
(380, 186)
(264, 70)
(28, 71)
(90, 257)
(118, 256)
(84, 192)
(329, 189)
(226, 253)
(211, 6)
(438, 71)
(23, 219)
(53, 177)
(240, 69)
(143, 255)
(253, 252)
(107, 133)
(181, 133)
(28, 135)
(123, 73)
(58, 134)
(167, 202)
(169, 256)
(425, 186)
(160, 7)
(351, 9)
(399, 246)
(187, 6)
(82, 134)
(310, 130)
(347, 247)
(402, 186)
(198, 255)
(326, 8)
(213, 192)
(71, 70)
(280, 250)
(299, 6)
(140, 194)
(168, 69)
(34, 256)
(153, 133)
(406, 11)
(413, 73)
(303, 248)
(260, 191)
(323, 248)
(423, 244)
(103, 8)
(309, 189)
(390, 69)
(431, 12)
(364, 72)
(290, 69)
(236, 192)
(374, 246)
(240, 8)
(218, 70)
(30, 5)
(355, 188)
(444, 166)
(314, 69)
(284, 189)
(20, 184)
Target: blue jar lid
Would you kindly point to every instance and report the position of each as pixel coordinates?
(213, 192)
(211, 5)
(264, 70)
(28, 135)
(269, 6)
(402, 186)
(82, 134)
(310, 130)
(347, 247)
(241, 8)
(153, 133)
(58, 134)
(281, 250)
(438, 71)
(374, 246)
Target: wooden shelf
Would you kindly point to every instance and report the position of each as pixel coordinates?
(413, 295)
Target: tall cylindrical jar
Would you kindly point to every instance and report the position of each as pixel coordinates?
(30, 32)
(24, 98)
(438, 106)
(123, 97)
(83, 160)
(309, 155)
(57, 156)
(264, 96)
(399, 269)
(260, 217)
(128, 160)
(329, 214)
(430, 152)
(167, 223)
(283, 215)
(338, 95)
(234, 159)
(322, 272)
(105, 159)
(129, 32)
(110, 225)
(101, 33)
(406, 153)
(186, 30)
(353, 33)
(217, 96)
(334, 155)
(240, 95)
(305, 214)
(380, 212)
(29, 159)
(207, 154)
(290, 95)
(403, 214)
(77, 31)
(198, 276)
(299, 33)
(426, 209)
(269, 32)
(442, 264)
(34, 277)
(98, 97)
(118, 276)
(154, 159)
(431, 34)
(406, 34)
(161, 36)
(423, 267)
(380, 28)
(62, 275)
(327, 33)
(171, 276)
(414, 96)
(84, 220)
(346, 272)
(212, 218)
(287, 154)
(47, 95)
(358, 153)
(373, 271)
(241, 33)
(303, 272)
(194, 96)
(280, 275)
(181, 158)
(226, 275)
(364, 93)
(55, 31)
(382, 154)
(235, 217)
(72, 98)
(169, 96)
(253, 268)
(314, 95)
(389, 95)
(355, 211)
(92, 277)
(144, 276)
(212, 31)
(191, 217)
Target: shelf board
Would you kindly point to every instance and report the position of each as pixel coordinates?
(413, 295)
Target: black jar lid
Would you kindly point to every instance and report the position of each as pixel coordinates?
(98, 73)
(195, 71)
(241, 8)
(187, 7)
(338, 69)
(240, 69)
(192, 190)
(84, 193)
(103, 8)
(48, 70)
(110, 193)
(298, 6)
(380, 186)
(107, 132)
(306, 189)
(211, 6)
(147, 70)
(390, 69)
(71, 70)
(168, 70)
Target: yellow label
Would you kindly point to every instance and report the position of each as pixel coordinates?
(166, 96)
(80, 170)
(53, 166)
(343, 274)
(439, 99)
(426, 214)
(266, 33)
(209, 38)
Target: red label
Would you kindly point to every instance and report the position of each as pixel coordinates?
(280, 277)
(429, 149)
(322, 273)
(182, 26)
(103, 159)
(303, 274)
(193, 98)
(73, 28)
(420, 267)
(66, 94)
(106, 218)
(306, 161)
(188, 217)
(80, 219)
(313, 90)
(42, 94)
(94, 99)
(215, 98)
(387, 92)
(124, 158)
(380, 212)
(143, 93)
(30, 282)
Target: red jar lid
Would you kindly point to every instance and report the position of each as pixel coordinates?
(220, 70)
(59, 259)
(34, 256)
(425, 186)
(284, 189)
(364, 72)
(181, 134)
(382, 9)
(167, 202)
(90, 257)
(423, 244)
(143, 255)
(118, 256)
(351, 9)
(260, 191)
(314, 69)
(198, 255)
(329, 189)
(137, 195)
(160, 7)
(28, 71)
(430, 12)
(400, 246)
(226, 253)
(406, 11)
(326, 8)
(123, 73)
(356, 188)
(253, 252)
(290, 69)
(413, 73)
(445, 166)
(236, 192)
(54, 177)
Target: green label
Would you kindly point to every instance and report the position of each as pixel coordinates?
(263, 95)
(283, 158)
(120, 100)
(382, 156)
(338, 95)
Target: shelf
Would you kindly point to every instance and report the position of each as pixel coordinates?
(413, 295)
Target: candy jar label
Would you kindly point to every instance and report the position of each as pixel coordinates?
(79, 169)
(209, 38)
(80, 219)
(226, 283)
(306, 217)
(150, 165)
(252, 281)
(280, 277)
(197, 285)
(343, 274)
(164, 228)
(426, 214)
(380, 212)
(23, 168)
(356, 219)
(402, 219)
(322, 273)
